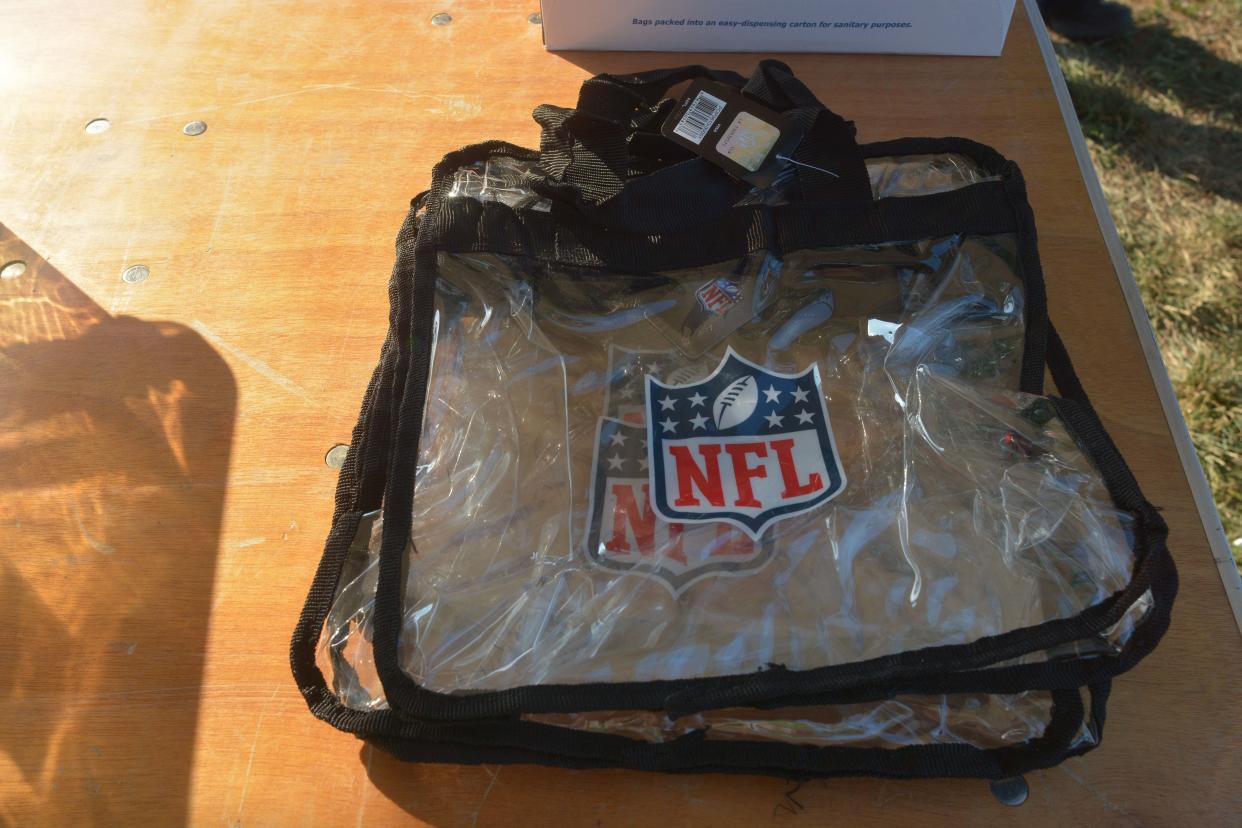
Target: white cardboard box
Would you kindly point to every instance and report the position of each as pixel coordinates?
(935, 27)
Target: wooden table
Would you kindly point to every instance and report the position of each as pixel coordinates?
(165, 491)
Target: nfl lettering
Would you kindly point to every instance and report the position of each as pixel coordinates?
(718, 295)
(746, 446)
(624, 532)
(688, 477)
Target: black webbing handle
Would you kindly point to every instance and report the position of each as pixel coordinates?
(829, 143)
(619, 98)
(1062, 370)
(586, 150)
(590, 154)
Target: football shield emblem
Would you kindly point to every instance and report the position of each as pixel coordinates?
(745, 446)
(624, 533)
(718, 295)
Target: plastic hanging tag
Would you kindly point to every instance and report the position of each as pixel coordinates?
(723, 126)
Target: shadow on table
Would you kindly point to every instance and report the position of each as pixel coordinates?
(115, 435)
(435, 794)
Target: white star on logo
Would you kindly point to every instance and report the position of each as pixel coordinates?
(642, 463)
(668, 423)
(800, 395)
(697, 399)
(617, 439)
(628, 392)
(774, 419)
(667, 404)
(699, 421)
(615, 462)
(772, 394)
(805, 417)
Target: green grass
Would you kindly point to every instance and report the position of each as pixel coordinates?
(1162, 112)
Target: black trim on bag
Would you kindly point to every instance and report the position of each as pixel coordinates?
(563, 236)
(512, 741)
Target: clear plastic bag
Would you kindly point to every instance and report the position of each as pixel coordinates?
(968, 510)
(684, 475)
(961, 518)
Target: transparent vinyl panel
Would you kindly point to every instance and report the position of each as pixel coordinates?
(545, 548)
(983, 721)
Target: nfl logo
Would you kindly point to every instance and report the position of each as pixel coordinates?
(745, 446)
(718, 295)
(625, 534)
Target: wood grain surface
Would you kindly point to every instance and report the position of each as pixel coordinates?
(164, 495)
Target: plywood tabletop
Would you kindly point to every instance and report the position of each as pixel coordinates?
(165, 494)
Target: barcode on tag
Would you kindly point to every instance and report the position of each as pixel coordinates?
(699, 118)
